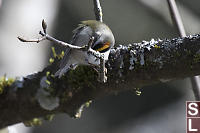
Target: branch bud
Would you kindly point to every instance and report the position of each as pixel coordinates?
(44, 26)
(21, 39)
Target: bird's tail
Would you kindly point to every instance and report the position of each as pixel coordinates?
(62, 71)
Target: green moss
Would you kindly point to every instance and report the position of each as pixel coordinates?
(196, 58)
(49, 117)
(54, 52)
(137, 91)
(156, 46)
(5, 82)
(55, 55)
(191, 67)
(48, 82)
(82, 76)
(51, 60)
(61, 55)
(66, 96)
(33, 122)
(87, 104)
(51, 90)
(188, 52)
(178, 54)
(48, 73)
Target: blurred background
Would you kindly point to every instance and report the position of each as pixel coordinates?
(160, 108)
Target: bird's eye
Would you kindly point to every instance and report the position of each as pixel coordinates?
(102, 47)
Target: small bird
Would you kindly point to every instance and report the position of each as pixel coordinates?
(103, 42)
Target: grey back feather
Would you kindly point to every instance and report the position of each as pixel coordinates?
(81, 36)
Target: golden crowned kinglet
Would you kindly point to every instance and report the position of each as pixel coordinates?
(103, 42)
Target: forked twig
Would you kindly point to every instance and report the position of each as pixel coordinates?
(31, 40)
(86, 47)
(45, 36)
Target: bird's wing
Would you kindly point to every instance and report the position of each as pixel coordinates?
(81, 37)
(68, 50)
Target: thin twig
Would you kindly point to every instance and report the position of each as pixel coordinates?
(99, 17)
(176, 17)
(31, 40)
(61, 43)
(195, 87)
(98, 10)
(179, 25)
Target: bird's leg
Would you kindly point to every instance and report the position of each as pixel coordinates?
(103, 70)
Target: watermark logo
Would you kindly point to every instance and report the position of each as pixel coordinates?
(193, 117)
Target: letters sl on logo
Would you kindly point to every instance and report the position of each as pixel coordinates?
(193, 117)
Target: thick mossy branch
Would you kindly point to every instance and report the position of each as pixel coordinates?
(132, 66)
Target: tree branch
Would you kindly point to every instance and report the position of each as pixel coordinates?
(135, 65)
(98, 10)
